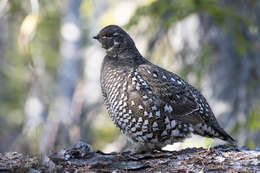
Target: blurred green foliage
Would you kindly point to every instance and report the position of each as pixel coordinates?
(168, 12)
(253, 120)
(171, 11)
(20, 53)
(105, 135)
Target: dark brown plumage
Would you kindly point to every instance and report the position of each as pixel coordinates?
(150, 105)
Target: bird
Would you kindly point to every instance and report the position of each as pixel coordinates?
(151, 106)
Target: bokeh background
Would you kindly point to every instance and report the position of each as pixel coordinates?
(49, 66)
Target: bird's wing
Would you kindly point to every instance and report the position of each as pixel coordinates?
(172, 93)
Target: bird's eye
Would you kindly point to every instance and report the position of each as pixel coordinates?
(107, 36)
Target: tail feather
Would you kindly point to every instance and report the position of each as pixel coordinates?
(216, 132)
(226, 137)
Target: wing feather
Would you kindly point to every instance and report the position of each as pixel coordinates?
(170, 89)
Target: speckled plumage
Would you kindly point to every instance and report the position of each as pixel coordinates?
(150, 105)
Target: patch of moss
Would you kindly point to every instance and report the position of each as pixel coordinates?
(251, 144)
(253, 120)
(105, 135)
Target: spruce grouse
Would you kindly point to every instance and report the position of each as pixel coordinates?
(150, 105)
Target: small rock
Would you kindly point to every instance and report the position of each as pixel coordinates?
(79, 150)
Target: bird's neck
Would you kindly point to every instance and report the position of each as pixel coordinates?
(129, 53)
(129, 58)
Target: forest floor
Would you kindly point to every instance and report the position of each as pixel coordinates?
(81, 158)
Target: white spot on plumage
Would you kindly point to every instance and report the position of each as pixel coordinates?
(144, 128)
(168, 127)
(134, 79)
(150, 115)
(154, 108)
(125, 99)
(167, 108)
(175, 132)
(155, 124)
(158, 113)
(132, 103)
(139, 133)
(167, 121)
(164, 133)
(140, 119)
(209, 129)
(125, 115)
(155, 75)
(204, 127)
(149, 135)
(137, 87)
(145, 97)
(133, 129)
(173, 123)
(115, 103)
(140, 107)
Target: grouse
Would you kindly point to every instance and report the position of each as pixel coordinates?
(150, 105)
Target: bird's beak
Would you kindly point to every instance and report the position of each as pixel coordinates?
(95, 37)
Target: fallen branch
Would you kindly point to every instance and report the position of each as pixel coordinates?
(81, 158)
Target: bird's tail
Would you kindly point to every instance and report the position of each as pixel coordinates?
(226, 137)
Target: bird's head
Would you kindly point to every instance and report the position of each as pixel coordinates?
(115, 40)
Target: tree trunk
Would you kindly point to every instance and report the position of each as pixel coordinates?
(55, 131)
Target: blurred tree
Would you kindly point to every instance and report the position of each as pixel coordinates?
(12, 85)
(28, 62)
(60, 117)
